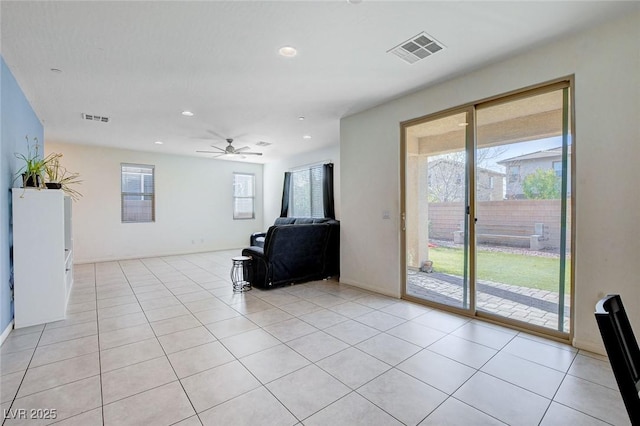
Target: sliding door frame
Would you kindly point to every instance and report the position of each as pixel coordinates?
(469, 196)
(470, 108)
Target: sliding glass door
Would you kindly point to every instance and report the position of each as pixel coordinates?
(487, 197)
(521, 237)
(437, 193)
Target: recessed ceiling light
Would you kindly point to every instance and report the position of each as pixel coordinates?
(354, 1)
(288, 51)
(187, 113)
(158, 142)
(301, 118)
(306, 137)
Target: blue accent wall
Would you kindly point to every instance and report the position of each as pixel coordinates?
(17, 120)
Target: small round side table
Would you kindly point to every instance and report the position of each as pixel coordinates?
(240, 274)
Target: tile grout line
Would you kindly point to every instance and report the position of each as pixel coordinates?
(349, 345)
(15, 397)
(202, 325)
(560, 385)
(161, 347)
(236, 359)
(48, 389)
(95, 284)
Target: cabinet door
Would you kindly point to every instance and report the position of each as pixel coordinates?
(38, 256)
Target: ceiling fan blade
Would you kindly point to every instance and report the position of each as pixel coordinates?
(240, 136)
(250, 153)
(218, 154)
(244, 148)
(216, 134)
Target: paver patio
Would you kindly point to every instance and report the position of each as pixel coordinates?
(530, 305)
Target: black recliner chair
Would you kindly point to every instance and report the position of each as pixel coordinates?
(295, 250)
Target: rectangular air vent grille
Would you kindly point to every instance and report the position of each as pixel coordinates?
(92, 117)
(262, 143)
(417, 48)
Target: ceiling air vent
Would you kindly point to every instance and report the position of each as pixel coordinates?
(416, 48)
(262, 143)
(92, 117)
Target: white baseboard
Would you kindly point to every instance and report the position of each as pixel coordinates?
(6, 332)
(594, 347)
(81, 261)
(369, 288)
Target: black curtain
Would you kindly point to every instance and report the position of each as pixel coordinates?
(327, 191)
(284, 209)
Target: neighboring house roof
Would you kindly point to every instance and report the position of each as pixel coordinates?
(547, 153)
(461, 165)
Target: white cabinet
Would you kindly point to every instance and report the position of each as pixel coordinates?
(42, 255)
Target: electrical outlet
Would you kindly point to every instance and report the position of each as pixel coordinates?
(386, 215)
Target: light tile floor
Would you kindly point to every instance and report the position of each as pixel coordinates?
(165, 341)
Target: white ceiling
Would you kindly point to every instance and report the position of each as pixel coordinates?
(142, 63)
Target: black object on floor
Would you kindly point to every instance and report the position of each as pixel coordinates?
(623, 352)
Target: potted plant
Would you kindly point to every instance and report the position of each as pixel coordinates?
(58, 177)
(34, 166)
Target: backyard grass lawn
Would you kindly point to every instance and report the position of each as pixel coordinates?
(507, 268)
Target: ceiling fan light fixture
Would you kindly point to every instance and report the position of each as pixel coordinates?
(288, 51)
(230, 150)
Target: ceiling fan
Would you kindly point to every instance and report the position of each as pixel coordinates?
(230, 150)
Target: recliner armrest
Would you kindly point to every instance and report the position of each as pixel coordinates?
(257, 239)
(259, 266)
(253, 251)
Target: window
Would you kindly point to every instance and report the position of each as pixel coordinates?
(243, 196)
(557, 168)
(137, 193)
(514, 173)
(306, 198)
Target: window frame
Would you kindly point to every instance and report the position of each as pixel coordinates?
(514, 177)
(309, 170)
(142, 194)
(239, 197)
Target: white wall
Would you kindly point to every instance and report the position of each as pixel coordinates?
(193, 205)
(606, 65)
(274, 176)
